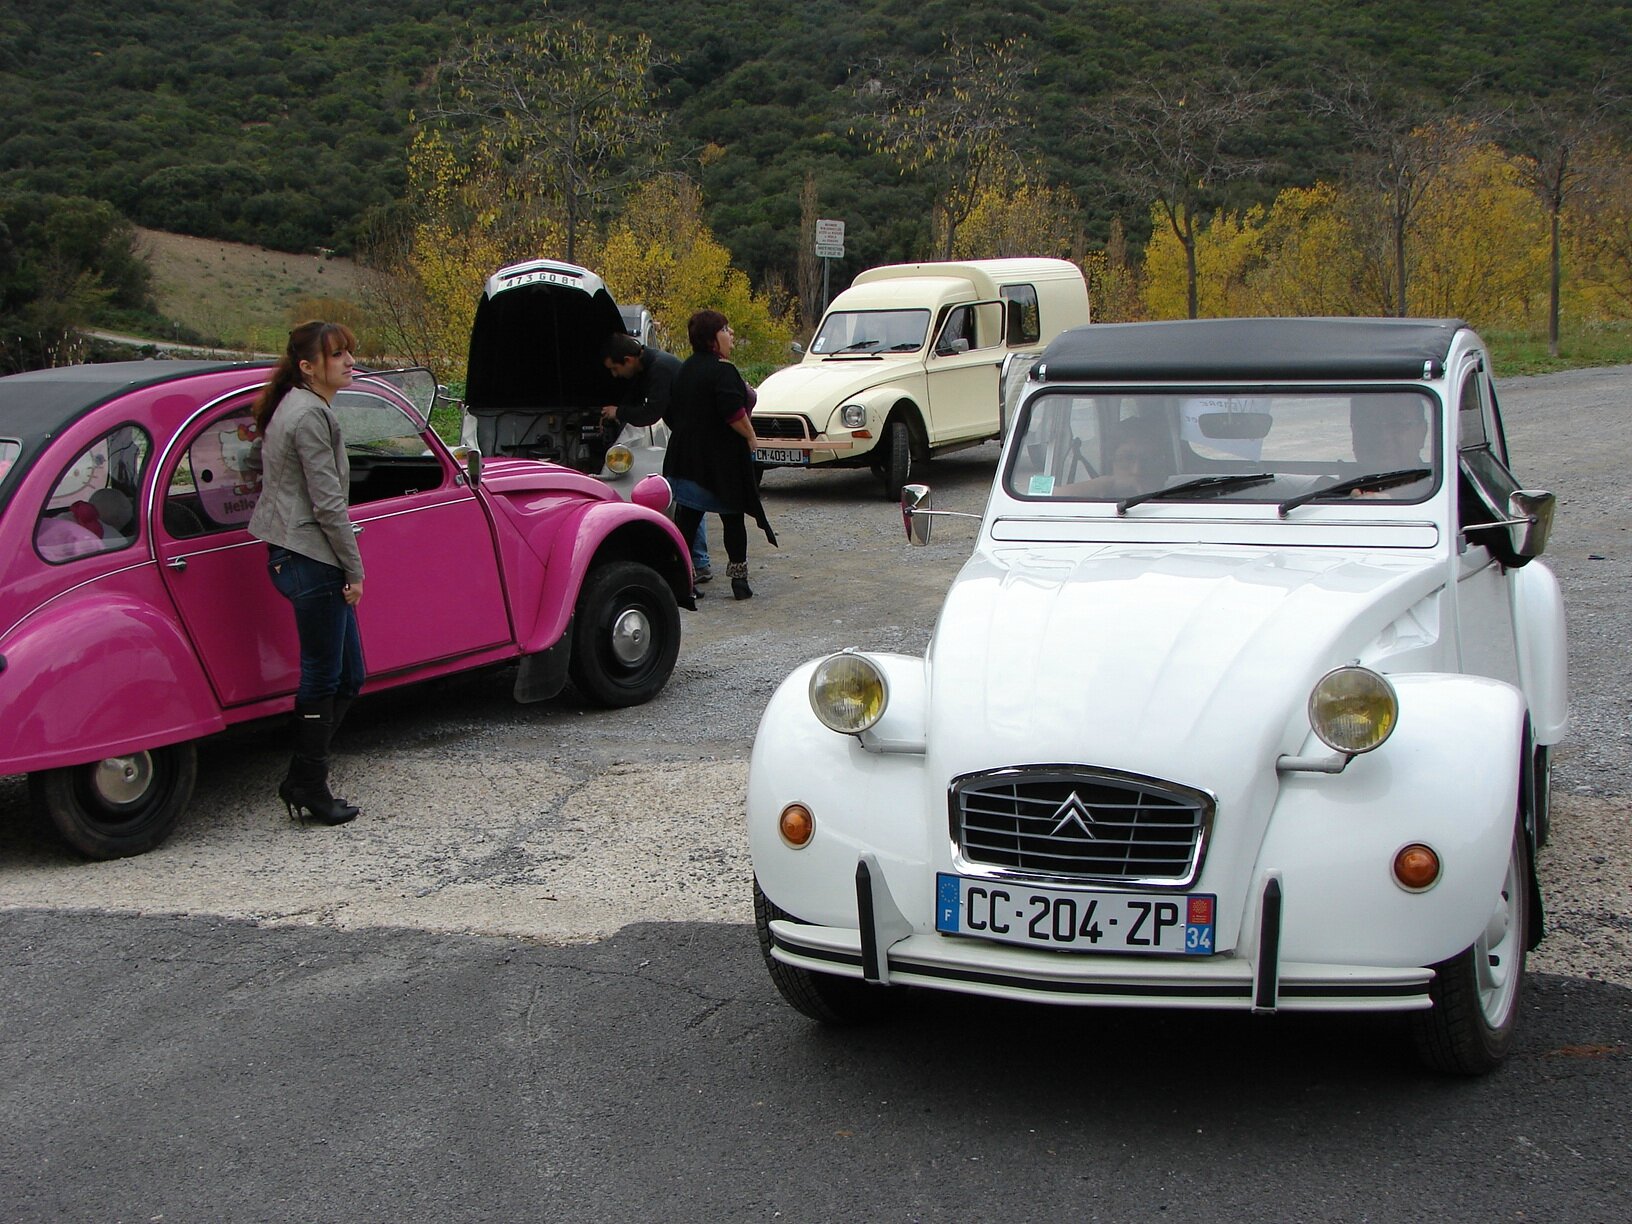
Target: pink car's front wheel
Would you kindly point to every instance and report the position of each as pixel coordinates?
(625, 634)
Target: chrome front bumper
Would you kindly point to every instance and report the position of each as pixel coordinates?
(885, 948)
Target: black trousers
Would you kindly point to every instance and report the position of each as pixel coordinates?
(735, 531)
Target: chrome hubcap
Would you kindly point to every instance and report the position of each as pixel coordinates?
(631, 636)
(122, 780)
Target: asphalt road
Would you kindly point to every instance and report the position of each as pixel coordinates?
(524, 983)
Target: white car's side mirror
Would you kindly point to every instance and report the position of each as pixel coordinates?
(915, 513)
(1531, 520)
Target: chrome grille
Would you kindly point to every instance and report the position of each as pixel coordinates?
(1080, 824)
(788, 428)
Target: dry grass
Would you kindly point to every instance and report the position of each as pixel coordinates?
(243, 296)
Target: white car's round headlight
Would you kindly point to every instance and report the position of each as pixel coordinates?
(1353, 709)
(853, 416)
(848, 692)
(619, 460)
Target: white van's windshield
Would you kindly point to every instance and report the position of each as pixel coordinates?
(871, 331)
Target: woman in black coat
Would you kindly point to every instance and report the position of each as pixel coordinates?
(710, 458)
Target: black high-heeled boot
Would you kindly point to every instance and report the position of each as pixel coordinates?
(306, 788)
(341, 705)
(737, 571)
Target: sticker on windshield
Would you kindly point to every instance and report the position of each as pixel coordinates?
(1041, 486)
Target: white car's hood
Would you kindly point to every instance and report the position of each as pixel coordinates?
(1185, 663)
(817, 388)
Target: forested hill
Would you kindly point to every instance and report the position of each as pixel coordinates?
(284, 122)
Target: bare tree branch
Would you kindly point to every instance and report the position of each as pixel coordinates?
(1178, 143)
(561, 105)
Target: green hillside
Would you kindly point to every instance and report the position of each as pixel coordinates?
(285, 122)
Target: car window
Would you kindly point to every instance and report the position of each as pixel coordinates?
(1024, 318)
(960, 332)
(1114, 445)
(872, 331)
(1470, 413)
(374, 425)
(218, 481)
(92, 507)
(415, 384)
(9, 450)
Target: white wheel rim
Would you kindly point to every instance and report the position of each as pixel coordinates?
(1498, 952)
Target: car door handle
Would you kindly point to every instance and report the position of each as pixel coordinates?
(356, 529)
(177, 563)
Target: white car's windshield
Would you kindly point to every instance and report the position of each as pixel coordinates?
(871, 331)
(1290, 447)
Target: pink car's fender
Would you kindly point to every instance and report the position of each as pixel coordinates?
(598, 532)
(87, 678)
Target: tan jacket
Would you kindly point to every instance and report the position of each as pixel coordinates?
(305, 485)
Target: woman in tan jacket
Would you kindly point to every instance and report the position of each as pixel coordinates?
(314, 561)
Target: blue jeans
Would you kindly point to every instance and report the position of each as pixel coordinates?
(690, 493)
(331, 647)
(699, 546)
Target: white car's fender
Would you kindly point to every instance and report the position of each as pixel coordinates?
(819, 393)
(1538, 615)
(863, 802)
(1448, 778)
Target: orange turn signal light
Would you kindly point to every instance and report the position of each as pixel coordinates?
(796, 825)
(1416, 867)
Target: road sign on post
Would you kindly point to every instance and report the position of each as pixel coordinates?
(830, 239)
(829, 246)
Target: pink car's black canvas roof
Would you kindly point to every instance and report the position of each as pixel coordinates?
(37, 405)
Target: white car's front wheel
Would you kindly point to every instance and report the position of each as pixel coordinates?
(1476, 994)
(894, 465)
(824, 997)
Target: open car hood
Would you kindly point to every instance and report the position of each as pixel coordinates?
(536, 341)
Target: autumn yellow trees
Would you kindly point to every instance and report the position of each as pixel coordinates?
(549, 142)
(1477, 248)
(545, 143)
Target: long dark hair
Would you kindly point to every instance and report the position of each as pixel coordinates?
(307, 342)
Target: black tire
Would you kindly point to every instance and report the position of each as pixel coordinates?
(120, 806)
(1477, 993)
(895, 464)
(1541, 792)
(625, 635)
(821, 996)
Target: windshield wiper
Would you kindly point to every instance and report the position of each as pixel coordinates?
(860, 345)
(1371, 480)
(1209, 486)
(906, 346)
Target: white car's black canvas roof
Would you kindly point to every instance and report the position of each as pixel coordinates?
(1250, 350)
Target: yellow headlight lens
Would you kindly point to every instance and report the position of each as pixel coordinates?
(1353, 709)
(619, 460)
(848, 693)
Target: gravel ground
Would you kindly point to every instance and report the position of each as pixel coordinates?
(558, 824)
